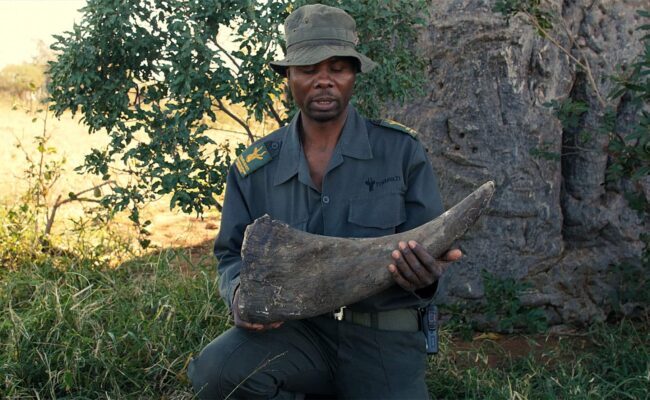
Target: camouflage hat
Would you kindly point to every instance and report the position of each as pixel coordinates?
(315, 33)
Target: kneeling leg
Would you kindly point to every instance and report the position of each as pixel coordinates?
(261, 365)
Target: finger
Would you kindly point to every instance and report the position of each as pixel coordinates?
(439, 268)
(422, 254)
(404, 269)
(423, 274)
(453, 255)
(399, 279)
(248, 325)
(274, 325)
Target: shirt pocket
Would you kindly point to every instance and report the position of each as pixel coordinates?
(376, 215)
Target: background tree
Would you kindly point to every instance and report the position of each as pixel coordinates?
(563, 224)
(156, 73)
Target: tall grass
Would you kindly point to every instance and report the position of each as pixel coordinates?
(128, 333)
(116, 333)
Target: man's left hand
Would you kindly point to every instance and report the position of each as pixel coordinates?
(414, 268)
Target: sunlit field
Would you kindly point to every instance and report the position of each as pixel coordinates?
(20, 124)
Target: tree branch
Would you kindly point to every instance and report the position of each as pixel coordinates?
(58, 203)
(237, 119)
(230, 57)
(275, 114)
(271, 109)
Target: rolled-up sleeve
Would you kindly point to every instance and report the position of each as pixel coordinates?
(235, 217)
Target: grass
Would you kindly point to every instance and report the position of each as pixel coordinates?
(606, 362)
(129, 332)
(117, 333)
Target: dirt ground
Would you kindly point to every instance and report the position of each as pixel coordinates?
(495, 350)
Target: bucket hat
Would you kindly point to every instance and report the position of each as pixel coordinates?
(317, 32)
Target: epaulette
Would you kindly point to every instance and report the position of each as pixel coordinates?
(252, 158)
(395, 125)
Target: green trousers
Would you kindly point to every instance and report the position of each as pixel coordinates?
(320, 356)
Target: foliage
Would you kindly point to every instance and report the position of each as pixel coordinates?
(631, 153)
(545, 151)
(25, 234)
(570, 113)
(502, 309)
(88, 332)
(18, 244)
(504, 306)
(155, 74)
(532, 8)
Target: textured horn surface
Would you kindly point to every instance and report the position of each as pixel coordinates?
(289, 274)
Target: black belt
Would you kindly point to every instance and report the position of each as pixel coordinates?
(403, 319)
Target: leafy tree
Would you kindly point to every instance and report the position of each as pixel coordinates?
(155, 74)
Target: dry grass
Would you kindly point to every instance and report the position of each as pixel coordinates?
(72, 141)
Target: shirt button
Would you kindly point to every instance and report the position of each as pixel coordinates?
(326, 199)
(274, 146)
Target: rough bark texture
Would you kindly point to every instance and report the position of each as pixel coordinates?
(557, 224)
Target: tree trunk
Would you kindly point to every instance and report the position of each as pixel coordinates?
(556, 223)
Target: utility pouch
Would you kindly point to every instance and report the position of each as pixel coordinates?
(429, 323)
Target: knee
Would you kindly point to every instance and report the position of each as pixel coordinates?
(224, 367)
(204, 371)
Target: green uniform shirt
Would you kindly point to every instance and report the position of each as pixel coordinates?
(378, 182)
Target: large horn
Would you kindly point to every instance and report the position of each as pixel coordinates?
(288, 274)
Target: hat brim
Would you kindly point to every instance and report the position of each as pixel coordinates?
(311, 55)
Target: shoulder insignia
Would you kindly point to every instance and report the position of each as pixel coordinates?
(252, 158)
(395, 125)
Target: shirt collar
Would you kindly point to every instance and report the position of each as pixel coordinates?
(353, 142)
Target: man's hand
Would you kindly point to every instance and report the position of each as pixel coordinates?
(249, 325)
(415, 268)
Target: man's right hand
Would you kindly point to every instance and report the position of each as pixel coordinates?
(249, 325)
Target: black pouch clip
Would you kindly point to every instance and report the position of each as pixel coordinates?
(429, 323)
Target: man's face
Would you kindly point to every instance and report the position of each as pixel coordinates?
(322, 91)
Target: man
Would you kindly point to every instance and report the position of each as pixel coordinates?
(329, 172)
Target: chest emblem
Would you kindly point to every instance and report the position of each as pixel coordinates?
(372, 183)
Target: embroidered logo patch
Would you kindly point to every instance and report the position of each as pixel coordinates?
(251, 159)
(371, 182)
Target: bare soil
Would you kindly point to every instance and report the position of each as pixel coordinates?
(494, 350)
